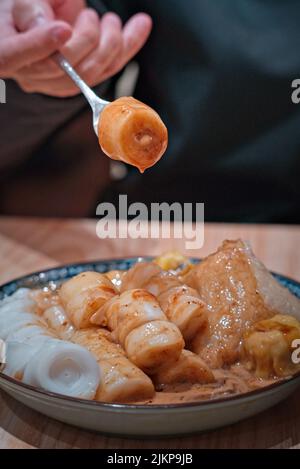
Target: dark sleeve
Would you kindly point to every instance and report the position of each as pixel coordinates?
(27, 121)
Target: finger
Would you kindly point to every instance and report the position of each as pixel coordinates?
(85, 39)
(91, 68)
(111, 39)
(69, 10)
(63, 90)
(36, 44)
(28, 14)
(85, 36)
(135, 33)
(111, 56)
(51, 86)
(111, 43)
(42, 70)
(86, 33)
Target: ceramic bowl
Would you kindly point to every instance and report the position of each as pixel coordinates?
(139, 420)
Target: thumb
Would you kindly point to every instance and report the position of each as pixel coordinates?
(28, 14)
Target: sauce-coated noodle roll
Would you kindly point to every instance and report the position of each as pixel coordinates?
(83, 295)
(138, 275)
(154, 345)
(121, 380)
(189, 368)
(57, 319)
(183, 307)
(124, 313)
(132, 132)
(139, 324)
(180, 303)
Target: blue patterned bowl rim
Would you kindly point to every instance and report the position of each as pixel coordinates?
(63, 272)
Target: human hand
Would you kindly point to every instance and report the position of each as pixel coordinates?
(98, 49)
(20, 49)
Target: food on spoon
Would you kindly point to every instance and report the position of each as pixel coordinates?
(132, 132)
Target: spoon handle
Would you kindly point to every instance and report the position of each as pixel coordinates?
(86, 90)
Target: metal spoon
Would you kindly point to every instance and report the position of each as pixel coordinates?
(97, 104)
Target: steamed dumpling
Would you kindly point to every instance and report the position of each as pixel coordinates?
(268, 348)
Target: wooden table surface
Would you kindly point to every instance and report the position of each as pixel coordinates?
(27, 245)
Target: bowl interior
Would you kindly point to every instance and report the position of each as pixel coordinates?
(61, 273)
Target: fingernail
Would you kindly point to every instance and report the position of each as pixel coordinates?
(113, 17)
(59, 34)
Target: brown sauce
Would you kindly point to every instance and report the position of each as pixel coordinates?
(228, 382)
(234, 381)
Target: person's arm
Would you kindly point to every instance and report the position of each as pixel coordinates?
(98, 47)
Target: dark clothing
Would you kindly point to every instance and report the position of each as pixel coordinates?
(219, 73)
(50, 160)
